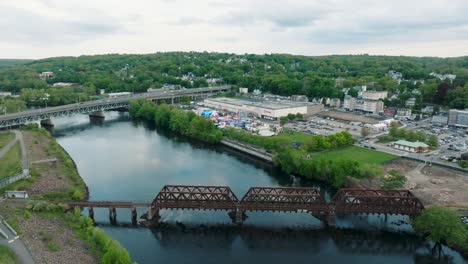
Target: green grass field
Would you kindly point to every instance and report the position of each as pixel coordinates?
(358, 154)
(5, 138)
(10, 164)
(7, 256)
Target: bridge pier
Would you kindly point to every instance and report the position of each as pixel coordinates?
(152, 216)
(97, 117)
(47, 124)
(238, 216)
(112, 215)
(331, 219)
(91, 213)
(134, 216)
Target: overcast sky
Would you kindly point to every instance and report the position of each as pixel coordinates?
(47, 28)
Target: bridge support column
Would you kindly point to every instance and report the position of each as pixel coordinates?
(134, 216)
(47, 124)
(91, 213)
(238, 216)
(97, 117)
(112, 215)
(331, 219)
(152, 216)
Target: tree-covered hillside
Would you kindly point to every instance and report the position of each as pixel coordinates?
(12, 62)
(277, 73)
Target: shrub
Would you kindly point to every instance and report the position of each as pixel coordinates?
(393, 180)
(463, 163)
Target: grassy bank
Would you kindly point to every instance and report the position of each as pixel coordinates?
(41, 145)
(54, 183)
(7, 256)
(5, 138)
(10, 163)
(358, 154)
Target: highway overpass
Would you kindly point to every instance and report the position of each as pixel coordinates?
(44, 114)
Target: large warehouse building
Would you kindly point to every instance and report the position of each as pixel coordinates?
(271, 110)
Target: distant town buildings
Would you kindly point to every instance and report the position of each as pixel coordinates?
(271, 110)
(299, 98)
(442, 77)
(374, 95)
(45, 75)
(410, 102)
(416, 147)
(333, 102)
(439, 120)
(5, 94)
(458, 118)
(62, 84)
(403, 113)
(397, 76)
(367, 101)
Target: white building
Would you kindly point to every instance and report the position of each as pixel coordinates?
(442, 77)
(374, 95)
(62, 84)
(115, 95)
(404, 112)
(265, 109)
(243, 90)
(410, 102)
(365, 105)
(458, 118)
(5, 94)
(45, 75)
(439, 120)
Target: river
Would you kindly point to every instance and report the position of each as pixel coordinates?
(125, 160)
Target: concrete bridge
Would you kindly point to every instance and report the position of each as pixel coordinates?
(95, 108)
(273, 199)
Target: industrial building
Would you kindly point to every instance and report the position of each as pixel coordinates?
(458, 118)
(365, 105)
(271, 110)
(409, 146)
(439, 120)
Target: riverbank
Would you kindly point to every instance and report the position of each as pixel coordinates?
(55, 235)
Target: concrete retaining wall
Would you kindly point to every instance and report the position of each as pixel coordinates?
(248, 149)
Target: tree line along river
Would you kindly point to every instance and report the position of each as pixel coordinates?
(121, 159)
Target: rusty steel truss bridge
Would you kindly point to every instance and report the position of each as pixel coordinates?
(272, 199)
(45, 114)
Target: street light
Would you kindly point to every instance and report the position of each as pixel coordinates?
(45, 98)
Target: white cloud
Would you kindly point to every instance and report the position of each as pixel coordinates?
(44, 28)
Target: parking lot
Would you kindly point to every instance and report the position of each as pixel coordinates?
(324, 126)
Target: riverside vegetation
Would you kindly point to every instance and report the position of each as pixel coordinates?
(301, 154)
(63, 185)
(327, 158)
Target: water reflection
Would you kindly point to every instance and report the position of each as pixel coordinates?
(126, 160)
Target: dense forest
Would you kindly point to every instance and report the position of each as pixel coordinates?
(12, 62)
(319, 76)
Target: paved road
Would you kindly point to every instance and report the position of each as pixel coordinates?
(14, 243)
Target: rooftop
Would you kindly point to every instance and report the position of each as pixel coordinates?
(416, 144)
(273, 105)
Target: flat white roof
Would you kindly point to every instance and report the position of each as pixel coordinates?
(273, 105)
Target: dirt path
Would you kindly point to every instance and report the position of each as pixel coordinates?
(434, 184)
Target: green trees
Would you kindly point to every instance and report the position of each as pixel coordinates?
(11, 105)
(176, 120)
(277, 73)
(365, 131)
(442, 225)
(283, 120)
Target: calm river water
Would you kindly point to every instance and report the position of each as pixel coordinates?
(124, 160)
